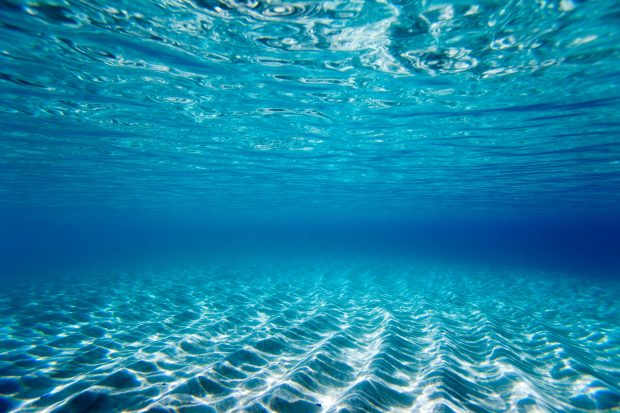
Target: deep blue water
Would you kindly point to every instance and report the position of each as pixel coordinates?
(317, 206)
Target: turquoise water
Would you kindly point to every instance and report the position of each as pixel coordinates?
(336, 337)
(386, 104)
(334, 206)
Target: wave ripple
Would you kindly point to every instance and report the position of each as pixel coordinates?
(394, 104)
(330, 338)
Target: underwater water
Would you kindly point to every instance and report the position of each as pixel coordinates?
(324, 338)
(309, 206)
(398, 104)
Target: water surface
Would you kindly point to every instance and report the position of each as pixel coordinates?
(387, 104)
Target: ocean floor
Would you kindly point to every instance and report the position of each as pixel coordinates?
(315, 338)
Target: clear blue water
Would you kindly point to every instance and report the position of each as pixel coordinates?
(389, 104)
(337, 337)
(326, 206)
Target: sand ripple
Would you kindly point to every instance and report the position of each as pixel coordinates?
(330, 338)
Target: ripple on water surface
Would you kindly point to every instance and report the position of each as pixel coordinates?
(322, 339)
(391, 103)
